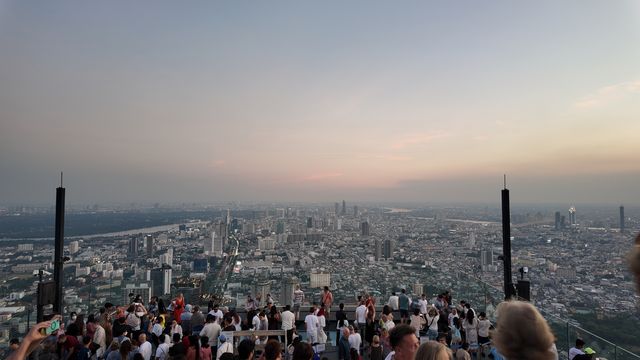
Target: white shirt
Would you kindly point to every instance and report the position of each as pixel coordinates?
(255, 322)
(393, 302)
(390, 356)
(288, 320)
(483, 327)
(574, 351)
(146, 350)
(162, 352)
(312, 322)
(355, 341)
(218, 314)
(226, 347)
(389, 324)
(212, 331)
(424, 304)
(432, 322)
(361, 314)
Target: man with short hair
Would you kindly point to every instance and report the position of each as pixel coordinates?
(577, 350)
(217, 313)
(424, 304)
(344, 346)
(145, 347)
(211, 330)
(298, 299)
(393, 301)
(288, 322)
(311, 323)
(355, 340)
(404, 343)
(245, 349)
(403, 305)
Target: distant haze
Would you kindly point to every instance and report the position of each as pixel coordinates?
(320, 101)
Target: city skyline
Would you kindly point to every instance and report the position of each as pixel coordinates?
(308, 102)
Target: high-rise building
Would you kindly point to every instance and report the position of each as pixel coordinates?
(74, 247)
(621, 218)
(572, 216)
(337, 209)
(228, 217)
(378, 250)
(364, 227)
(130, 291)
(319, 279)
(280, 228)
(148, 240)
(388, 249)
(563, 220)
(309, 222)
(418, 289)
(557, 222)
(161, 280)
(201, 265)
(267, 243)
(355, 211)
(222, 232)
(486, 260)
(133, 247)
(344, 207)
(472, 240)
(167, 257)
(338, 224)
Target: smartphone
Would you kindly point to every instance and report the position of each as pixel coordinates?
(55, 326)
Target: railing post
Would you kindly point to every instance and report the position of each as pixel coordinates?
(567, 344)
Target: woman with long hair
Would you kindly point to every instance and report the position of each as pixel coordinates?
(193, 351)
(433, 350)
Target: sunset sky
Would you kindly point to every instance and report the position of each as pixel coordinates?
(320, 101)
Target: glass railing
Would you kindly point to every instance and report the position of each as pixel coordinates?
(485, 297)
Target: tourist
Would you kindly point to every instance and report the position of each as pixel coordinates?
(432, 350)
(432, 323)
(343, 345)
(224, 346)
(403, 305)
(302, 351)
(144, 346)
(393, 301)
(162, 351)
(470, 326)
(355, 340)
(404, 343)
(298, 299)
(311, 326)
(193, 351)
(417, 321)
(463, 352)
(211, 330)
(178, 307)
(522, 333)
(576, 350)
(634, 261)
(288, 322)
(375, 351)
(272, 350)
(175, 328)
(327, 299)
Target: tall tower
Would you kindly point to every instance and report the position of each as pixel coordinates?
(365, 228)
(572, 215)
(557, 223)
(389, 246)
(378, 250)
(337, 210)
(148, 240)
(344, 207)
(133, 247)
(621, 218)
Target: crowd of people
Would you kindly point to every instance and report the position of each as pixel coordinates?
(179, 330)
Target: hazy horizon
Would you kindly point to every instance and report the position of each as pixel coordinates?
(365, 101)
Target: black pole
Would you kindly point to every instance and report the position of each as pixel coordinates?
(506, 243)
(59, 248)
(39, 314)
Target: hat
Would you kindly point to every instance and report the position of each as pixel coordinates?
(222, 338)
(589, 351)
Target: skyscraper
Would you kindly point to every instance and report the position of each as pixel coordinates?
(365, 228)
(621, 218)
(161, 280)
(73, 247)
(280, 227)
(572, 215)
(133, 247)
(337, 209)
(378, 250)
(344, 207)
(557, 223)
(149, 245)
(309, 222)
(389, 246)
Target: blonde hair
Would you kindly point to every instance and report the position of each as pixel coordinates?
(522, 333)
(433, 350)
(634, 260)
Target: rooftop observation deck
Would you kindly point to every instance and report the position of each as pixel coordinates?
(483, 298)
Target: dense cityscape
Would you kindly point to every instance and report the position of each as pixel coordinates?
(575, 260)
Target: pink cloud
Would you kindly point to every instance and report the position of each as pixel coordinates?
(417, 139)
(608, 94)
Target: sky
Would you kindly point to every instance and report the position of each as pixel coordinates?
(156, 101)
